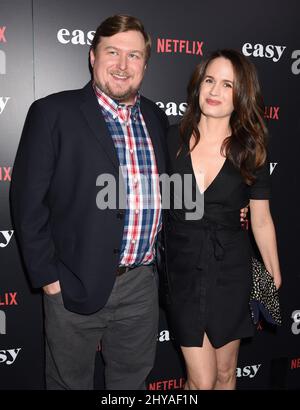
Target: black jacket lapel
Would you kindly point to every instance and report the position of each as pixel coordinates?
(96, 122)
(156, 133)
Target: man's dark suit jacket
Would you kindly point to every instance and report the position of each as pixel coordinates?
(65, 146)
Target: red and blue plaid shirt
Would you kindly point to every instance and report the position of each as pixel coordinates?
(136, 155)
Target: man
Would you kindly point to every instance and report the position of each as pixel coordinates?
(96, 266)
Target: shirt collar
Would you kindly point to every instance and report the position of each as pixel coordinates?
(113, 106)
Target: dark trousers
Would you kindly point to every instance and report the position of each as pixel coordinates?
(127, 328)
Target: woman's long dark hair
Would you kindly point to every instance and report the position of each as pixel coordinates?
(246, 147)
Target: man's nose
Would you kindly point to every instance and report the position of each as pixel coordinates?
(122, 62)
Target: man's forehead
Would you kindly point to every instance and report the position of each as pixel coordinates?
(128, 40)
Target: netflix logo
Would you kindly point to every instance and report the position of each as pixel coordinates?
(172, 384)
(8, 299)
(272, 113)
(167, 45)
(295, 363)
(5, 174)
(2, 34)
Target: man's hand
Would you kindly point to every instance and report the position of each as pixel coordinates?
(243, 213)
(52, 288)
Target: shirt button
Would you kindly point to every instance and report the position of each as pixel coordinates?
(131, 151)
(133, 241)
(136, 211)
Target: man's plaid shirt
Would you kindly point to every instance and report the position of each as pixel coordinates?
(136, 157)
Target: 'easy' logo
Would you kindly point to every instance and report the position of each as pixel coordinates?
(64, 36)
(9, 356)
(3, 102)
(247, 371)
(5, 237)
(259, 50)
(296, 64)
(296, 325)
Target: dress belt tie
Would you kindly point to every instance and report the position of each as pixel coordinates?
(219, 251)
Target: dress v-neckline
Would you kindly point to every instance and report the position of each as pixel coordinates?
(212, 181)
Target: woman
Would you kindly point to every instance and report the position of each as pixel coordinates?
(221, 142)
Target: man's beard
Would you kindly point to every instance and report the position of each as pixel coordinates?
(122, 95)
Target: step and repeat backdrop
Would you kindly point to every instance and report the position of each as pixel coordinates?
(44, 49)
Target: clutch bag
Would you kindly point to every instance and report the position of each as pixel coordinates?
(264, 299)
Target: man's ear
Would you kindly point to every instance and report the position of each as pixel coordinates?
(92, 57)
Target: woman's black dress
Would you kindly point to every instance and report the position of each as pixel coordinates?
(208, 260)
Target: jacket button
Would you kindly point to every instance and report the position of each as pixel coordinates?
(120, 215)
(116, 250)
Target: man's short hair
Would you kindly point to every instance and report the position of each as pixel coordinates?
(121, 23)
